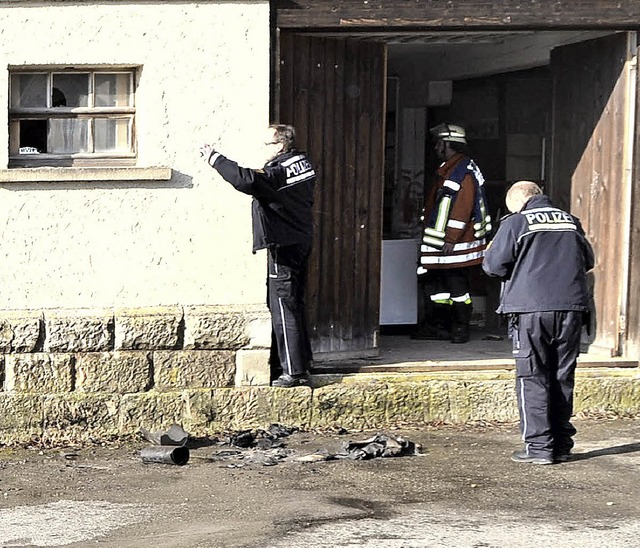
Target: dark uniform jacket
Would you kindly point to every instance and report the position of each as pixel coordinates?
(282, 197)
(542, 255)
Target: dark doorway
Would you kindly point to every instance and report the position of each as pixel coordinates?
(519, 94)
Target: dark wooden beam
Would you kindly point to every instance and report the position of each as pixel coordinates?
(351, 15)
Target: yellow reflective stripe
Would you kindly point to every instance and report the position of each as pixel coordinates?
(466, 299)
(437, 243)
(433, 232)
(443, 213)
(441, 298)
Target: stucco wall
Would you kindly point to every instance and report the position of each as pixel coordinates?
(187, 241)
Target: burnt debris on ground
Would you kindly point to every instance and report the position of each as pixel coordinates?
(268, 448)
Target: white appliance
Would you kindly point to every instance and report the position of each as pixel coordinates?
(399, 282)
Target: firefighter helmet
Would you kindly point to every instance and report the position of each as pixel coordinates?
(448, 132)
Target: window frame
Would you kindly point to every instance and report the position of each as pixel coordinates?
(77, 159)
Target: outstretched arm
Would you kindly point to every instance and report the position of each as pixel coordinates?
(254, 182)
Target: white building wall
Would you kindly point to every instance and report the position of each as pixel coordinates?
(204, 78)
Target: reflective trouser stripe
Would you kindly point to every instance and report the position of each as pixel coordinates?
(441, 298)
(545, 347)
(285, 296)
(465, 299)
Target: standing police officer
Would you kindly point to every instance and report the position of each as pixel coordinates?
(283, 224)
(542, 255)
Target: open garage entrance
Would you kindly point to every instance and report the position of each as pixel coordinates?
(554, 106)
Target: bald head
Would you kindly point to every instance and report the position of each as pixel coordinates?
(519, 194)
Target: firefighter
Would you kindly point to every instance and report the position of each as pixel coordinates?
(455, 221)
(543, 256)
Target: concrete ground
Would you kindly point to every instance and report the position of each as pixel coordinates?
(462, 492)
(487, 350)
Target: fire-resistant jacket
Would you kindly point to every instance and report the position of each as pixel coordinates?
(542, 255)
(455, 212)
(282, 197)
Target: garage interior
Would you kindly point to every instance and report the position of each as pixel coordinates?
(553, 106)
(496, 85)
(499, 87)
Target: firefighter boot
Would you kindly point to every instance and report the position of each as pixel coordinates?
(436, 325)
(460, 323)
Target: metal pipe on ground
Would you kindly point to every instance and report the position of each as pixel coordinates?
(165, 454)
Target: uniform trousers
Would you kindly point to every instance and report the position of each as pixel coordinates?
(452, 282)
(546, 346)
(436, 289)
(286, 284)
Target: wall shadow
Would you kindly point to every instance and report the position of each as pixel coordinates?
(178, 180)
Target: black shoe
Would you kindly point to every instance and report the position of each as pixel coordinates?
(562, 457)
(288, 381)
(523, 456)
(430, 335)
(460, 338)
(460, 334)
(274, 375)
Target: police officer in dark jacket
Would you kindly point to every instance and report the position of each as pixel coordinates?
(542, 255)
(283, 224)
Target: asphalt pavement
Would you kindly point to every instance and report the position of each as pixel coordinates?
(461, 491)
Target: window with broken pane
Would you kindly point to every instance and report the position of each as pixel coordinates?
(71, 117)
(70, 90)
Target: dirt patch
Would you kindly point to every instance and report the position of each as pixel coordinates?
(214, 502)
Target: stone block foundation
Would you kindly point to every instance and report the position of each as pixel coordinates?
(70, 376)
(77, 373)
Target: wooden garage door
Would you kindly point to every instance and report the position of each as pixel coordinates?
(332, 91)
(590, 165)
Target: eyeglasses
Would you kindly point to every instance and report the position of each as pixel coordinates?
(272, 143)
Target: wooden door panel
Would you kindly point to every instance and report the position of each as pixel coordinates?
(590, 83)
(633, 314)
(332, 91)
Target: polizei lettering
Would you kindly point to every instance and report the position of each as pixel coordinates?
(298, 169)
(549, 220)
(543, 217)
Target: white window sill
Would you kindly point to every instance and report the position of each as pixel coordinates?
(79, 174)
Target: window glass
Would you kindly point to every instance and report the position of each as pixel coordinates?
(70, 90)
(29, 90)
(112, 135)
(112, 90)
(68, 135)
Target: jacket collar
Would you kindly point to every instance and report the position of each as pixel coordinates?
(282, 156)
(537, 201)
(446, 166)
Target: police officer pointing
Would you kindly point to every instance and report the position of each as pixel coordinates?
(283, 224)
(542, 255)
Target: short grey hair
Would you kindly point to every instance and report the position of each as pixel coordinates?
(519, 194)
(286, 135)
